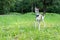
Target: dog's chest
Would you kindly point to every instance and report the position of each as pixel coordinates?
(40, 17)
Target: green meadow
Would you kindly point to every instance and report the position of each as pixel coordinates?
(21, 27)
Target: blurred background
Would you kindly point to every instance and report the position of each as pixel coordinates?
(24, 6)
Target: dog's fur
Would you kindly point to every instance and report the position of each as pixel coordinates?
(39, 18)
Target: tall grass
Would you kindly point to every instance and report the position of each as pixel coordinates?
(21, 27)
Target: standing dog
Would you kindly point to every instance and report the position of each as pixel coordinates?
(39, 18)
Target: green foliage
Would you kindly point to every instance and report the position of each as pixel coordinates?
(5, 6)
(55, 6)
(23, 6)
(26, 5)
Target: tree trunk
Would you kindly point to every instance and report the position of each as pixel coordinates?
(44, 10)
(44, 7)
(32, 8)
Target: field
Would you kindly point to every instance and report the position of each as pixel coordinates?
(21, 27)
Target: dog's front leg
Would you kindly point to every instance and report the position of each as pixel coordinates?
(35, 24)
(39, 25)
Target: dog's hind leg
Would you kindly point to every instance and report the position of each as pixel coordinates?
(44, 23)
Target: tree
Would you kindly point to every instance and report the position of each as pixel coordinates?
(24, 6)
(5, 6)
(46, 3)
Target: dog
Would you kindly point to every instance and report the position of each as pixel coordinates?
(39, 18)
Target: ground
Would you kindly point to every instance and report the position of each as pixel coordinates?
(21, 27)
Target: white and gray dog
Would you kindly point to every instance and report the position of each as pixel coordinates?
(39, 18)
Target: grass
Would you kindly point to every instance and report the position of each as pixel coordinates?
(21, 27)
